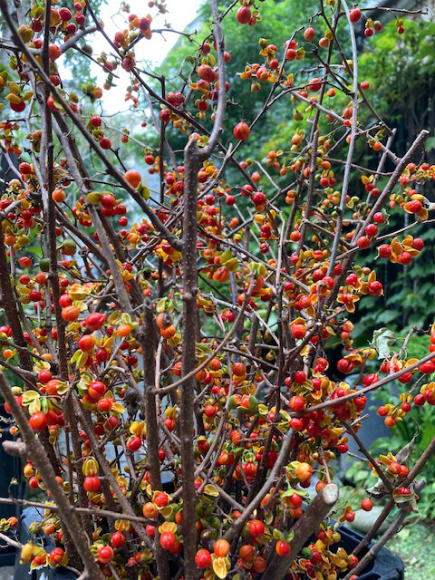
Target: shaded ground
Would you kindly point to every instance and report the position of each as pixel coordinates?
(415, 543)
(416, 546)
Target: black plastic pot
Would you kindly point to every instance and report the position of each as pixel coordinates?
(10, 468)
(384, 567)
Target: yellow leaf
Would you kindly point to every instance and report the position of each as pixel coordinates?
(125, 319)
(423, 214)
(106, 341)
(14, 88)
(26, 553)
(80, 305)
(305, 351)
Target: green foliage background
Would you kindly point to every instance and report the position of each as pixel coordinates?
(401, 74)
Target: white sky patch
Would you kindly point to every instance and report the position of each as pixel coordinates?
(181, 14)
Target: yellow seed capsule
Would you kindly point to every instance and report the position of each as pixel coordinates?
(90, 467)
(26, 553)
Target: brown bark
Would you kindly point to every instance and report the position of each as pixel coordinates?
(306, 525)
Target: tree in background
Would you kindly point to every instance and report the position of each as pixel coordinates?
(174, 396)
(400, 67)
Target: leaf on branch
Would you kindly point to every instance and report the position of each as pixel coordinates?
(383, 339)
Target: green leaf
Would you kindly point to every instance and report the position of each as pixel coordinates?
(382, 340)
(387, 316)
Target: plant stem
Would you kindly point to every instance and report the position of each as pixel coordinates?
(305, 526)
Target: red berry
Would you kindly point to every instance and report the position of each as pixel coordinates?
(371, 230)
(203, 559)
(241, 131)
(385, 250)
(105, 554)
(419, 400)
(92, 484)
(375, 288)
(56, 556)
(379, 217)
(45, 376)
(364, 242)
(309, 33)
(38, 421)
(168, 541)
(243, 15)
(95, 320)
(355, 15)
(367, 504)
(105, 143)
(315, 85)
(206, 73)
(117, 540)
(415, 206)
(134, 443)
(297, 404)
(256, 528)
(282, 548)
(300, 377)
(296, 500)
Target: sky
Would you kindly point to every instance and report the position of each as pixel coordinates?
(181, 14)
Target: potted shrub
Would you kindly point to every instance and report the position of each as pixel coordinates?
(175, 397)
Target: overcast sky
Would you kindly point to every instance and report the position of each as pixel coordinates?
(181, 13)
